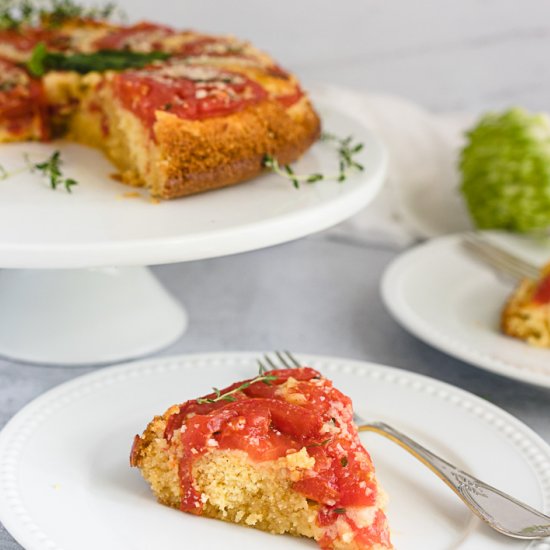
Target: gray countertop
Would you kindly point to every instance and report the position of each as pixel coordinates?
(316, 295)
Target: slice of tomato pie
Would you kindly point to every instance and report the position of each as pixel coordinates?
(527, 313)
(279, 452)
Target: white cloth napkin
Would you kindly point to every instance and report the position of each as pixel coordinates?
(420, 198)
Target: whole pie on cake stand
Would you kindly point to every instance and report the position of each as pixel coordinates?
(75, 291)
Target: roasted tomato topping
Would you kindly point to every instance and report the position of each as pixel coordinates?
(211, 46)
(296, 409)
(141, 37)
(187, 91)
(21, 99)
(23, 41)
(542, 293)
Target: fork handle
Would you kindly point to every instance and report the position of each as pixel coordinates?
(494, 507)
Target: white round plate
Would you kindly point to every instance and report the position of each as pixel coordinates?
(65, 481)
(96, 225)
(453, 302)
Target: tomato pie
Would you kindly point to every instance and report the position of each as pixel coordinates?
(202, 114)
(527, 313)
(279, 452)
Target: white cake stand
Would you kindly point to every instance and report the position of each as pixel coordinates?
(76, 292)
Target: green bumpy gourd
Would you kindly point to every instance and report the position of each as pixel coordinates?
(505, 169)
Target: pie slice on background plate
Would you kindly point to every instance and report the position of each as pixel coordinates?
(527, 312)
(279, 452)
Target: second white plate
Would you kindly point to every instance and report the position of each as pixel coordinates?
(65, 481)
(443, 296)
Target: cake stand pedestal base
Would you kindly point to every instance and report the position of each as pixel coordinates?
(78, 317)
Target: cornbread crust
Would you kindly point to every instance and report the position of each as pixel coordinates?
(525, 319)
(237, 490)
(221, 151)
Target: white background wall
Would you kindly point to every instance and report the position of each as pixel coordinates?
(444, 54)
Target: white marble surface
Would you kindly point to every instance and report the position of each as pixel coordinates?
(320, 294)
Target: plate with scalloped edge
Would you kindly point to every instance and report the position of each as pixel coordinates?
(65, 481)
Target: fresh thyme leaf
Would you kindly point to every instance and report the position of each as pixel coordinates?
(346, 150)
(314, 177)
(42, 61)
(339, 510)
(229, 396)
(69, 182)
(51, 169)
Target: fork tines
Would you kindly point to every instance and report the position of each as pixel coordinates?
(499, 259)
(283, 360)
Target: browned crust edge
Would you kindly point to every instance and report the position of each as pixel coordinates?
(214, 153)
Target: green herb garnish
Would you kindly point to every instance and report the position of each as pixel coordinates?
(62, 10)
(42, 60)
(50, 168)
(15, 14)
(229, 396)
(344, 461)
(347, 150)
(339, 510)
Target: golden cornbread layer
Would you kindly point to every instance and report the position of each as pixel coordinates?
(237, 490)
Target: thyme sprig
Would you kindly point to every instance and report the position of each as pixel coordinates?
(15, 14)
(49, 168)
(230, 395)
(346, 148)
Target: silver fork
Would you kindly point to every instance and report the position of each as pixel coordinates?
(498, 258)
(502, 512)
